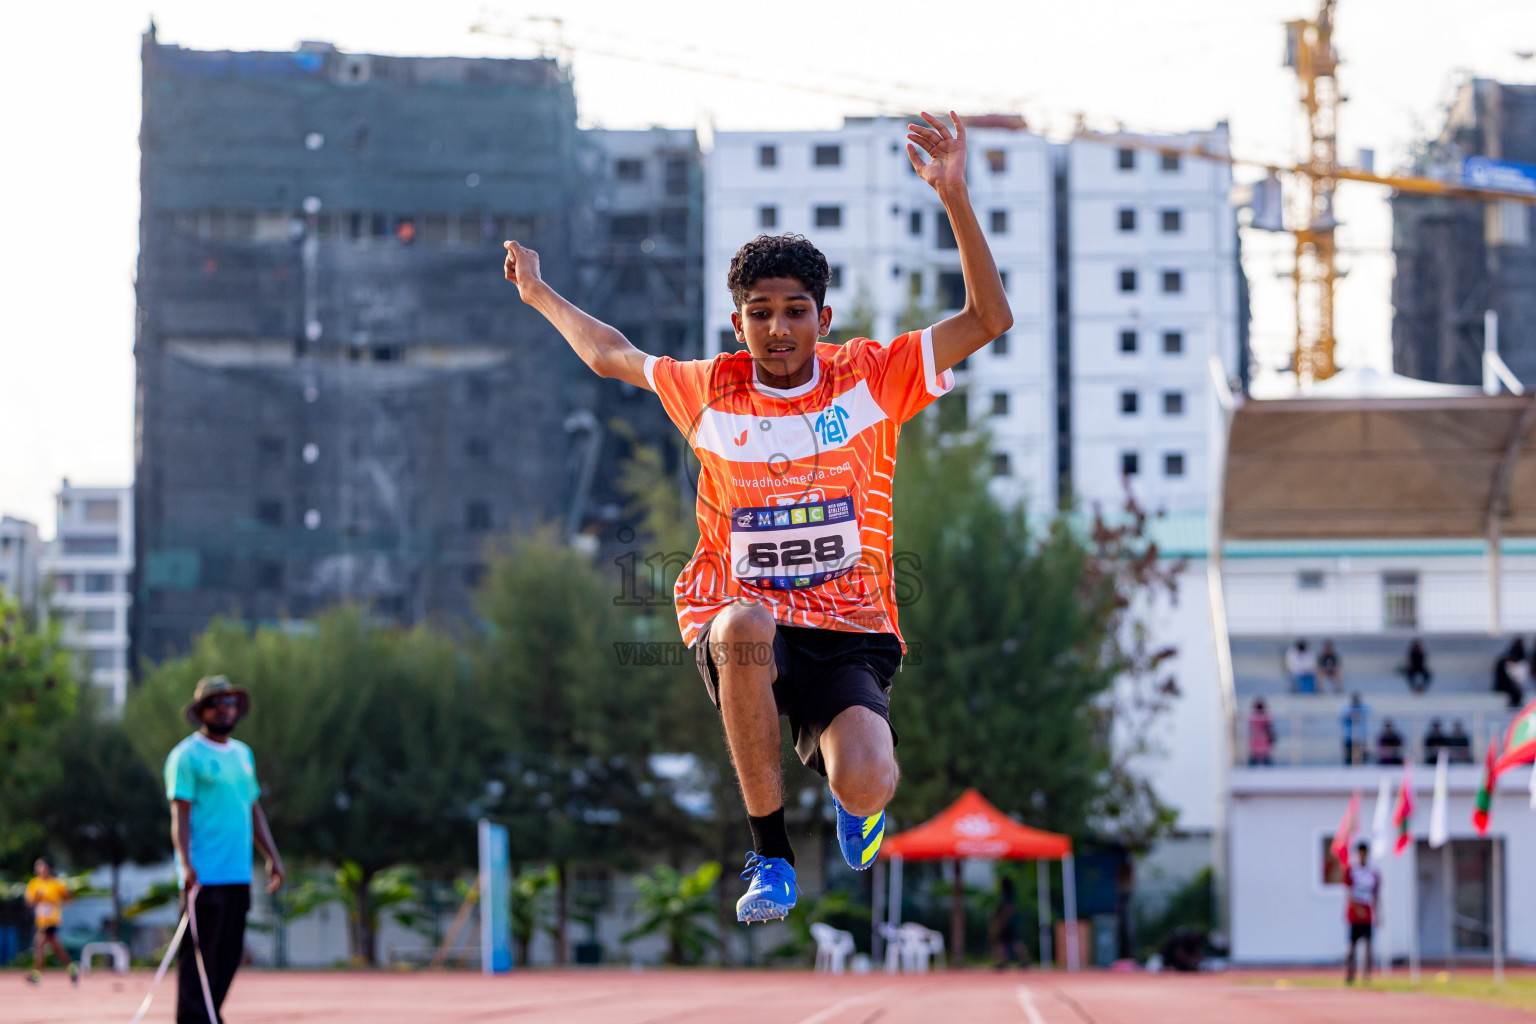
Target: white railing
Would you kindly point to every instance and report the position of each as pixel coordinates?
(1317, 738)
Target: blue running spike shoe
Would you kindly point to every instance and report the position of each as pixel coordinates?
(859, 837)
(771, 890)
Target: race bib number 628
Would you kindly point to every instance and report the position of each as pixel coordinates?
(790, 547)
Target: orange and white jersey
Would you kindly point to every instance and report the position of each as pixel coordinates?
(794, 501)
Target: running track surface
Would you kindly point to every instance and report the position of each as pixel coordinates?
(742, 997)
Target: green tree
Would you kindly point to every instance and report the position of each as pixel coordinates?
(575, 783)
(530, 907)
(103, 806)
(369, 745)
(37, 691)
(670, 903)
(1017, 643)
(857, 321)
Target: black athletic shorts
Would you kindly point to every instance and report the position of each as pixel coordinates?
(1359, 931)
(822, 672)
(50, 931)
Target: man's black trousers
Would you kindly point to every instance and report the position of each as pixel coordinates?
(221, 911)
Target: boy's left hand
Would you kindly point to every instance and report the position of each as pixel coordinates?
(945, 168)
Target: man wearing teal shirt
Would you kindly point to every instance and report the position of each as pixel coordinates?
(210, 780)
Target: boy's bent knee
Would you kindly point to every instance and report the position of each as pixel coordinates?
(864, 789)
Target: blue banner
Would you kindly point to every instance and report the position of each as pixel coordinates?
(1504, 175)
(495, 900)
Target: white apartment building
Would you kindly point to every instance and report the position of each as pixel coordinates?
(20, 551)
(853, 193)
(88, 568)
(1154, 295)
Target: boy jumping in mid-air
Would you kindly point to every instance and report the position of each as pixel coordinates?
(788, 600)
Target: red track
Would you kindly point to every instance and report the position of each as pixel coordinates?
(741, 997)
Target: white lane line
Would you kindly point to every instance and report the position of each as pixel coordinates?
(821, 1016)
(1027, 1002)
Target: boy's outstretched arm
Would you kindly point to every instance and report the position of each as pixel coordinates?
(608, 352)
(986, 314)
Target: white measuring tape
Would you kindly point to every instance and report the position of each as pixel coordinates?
(188, 918)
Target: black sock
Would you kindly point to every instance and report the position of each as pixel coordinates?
(769, 837)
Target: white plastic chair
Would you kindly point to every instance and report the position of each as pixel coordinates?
(894, 951)
(918, 947)
(116, 950)
(833, 947)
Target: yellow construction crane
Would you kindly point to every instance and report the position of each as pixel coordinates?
(1310, 51)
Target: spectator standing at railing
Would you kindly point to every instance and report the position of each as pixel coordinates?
(1416, 668)
(1301, 666)
(1329, 667)
(1261, 734)
(1356, 719)
(1389, 744)
(1435, 740)
(1459, 744)
(1510, 672)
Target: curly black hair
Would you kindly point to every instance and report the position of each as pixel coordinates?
(785, 255)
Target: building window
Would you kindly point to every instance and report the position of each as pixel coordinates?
(1173, 342)
(767, 156)
(1173, 403)
(1127, 280)
(1126, 159)
(626, 228)
(63, 582)
(90, 545)
(477, 516)
(1173, 282)
(270, 447)
(1309, 579)
(675, 181)
(101, 510)
(997, 160)
(1127, 219)
(674, 225)
(98, 620)
(915, 222)
(269, 513)
(477, 449)
(829, 216)
(387, 354)
(630, 280)
(727, 338)
(100, 583)
(944, 232)
(1400, 600)
(999, 403)
(1173, 464)
(999, 222)
(1130, 464)
(951, 289)
(1127, 341)
(269, 574)
(828, 156)
(1172, 222)
(835, 277)
(1128, 403)
(474, 576)
(1170, 161)
(767, 216)
(1000, 345)
(1001, 464)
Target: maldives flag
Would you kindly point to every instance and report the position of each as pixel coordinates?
(1346, 830)
(1519, 741)
(1402, 811)
(1483, 806)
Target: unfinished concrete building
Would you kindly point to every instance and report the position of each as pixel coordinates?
(339, 398)
(1457, 258)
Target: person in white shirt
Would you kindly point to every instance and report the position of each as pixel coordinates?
(1301, 666)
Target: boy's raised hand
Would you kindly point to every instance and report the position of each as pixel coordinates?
(522, 268)
(945, 168)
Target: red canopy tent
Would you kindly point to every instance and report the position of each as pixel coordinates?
(972, 827)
